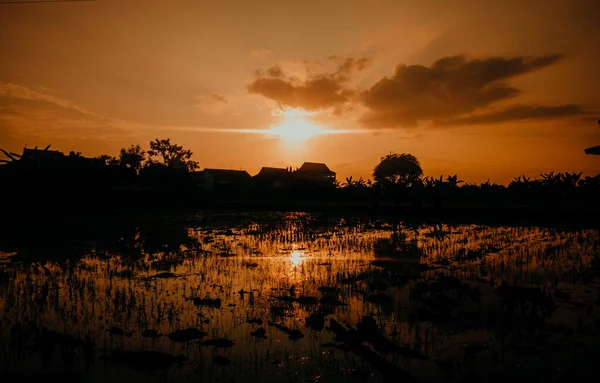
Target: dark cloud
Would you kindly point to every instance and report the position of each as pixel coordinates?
(454, 90)
(450, 88)
(519, 112)
(275, 71)
(317, 91)
(347, 66)
(218, 98)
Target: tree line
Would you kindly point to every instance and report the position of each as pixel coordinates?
(401, 175)
(162, 153)
(396, 176)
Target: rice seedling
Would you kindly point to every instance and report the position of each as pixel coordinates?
(254, 297)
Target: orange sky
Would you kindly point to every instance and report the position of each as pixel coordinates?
(485, 89)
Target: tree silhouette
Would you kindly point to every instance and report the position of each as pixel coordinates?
(398, 169)
(132, 157)
(453, 181)
(355, 184)
(172, 155)
(349, 182)
(108, 160)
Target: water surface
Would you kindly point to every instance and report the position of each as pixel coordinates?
(257, 294)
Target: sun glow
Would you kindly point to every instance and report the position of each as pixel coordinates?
(295, 128)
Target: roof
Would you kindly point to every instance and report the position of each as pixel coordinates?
(272, 172)
(40, 153)
(228, 175)
(315, 167)
(593, 150)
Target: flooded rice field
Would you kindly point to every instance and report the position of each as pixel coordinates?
(299, 298)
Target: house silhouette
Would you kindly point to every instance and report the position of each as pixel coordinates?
(594, 149)
(311, 175)
(315, 174)
(41, 158)
(212, 180)
(273, 178)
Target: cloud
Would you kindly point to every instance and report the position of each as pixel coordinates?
(35, 114)
(349, 65)
(275, 71)
(454, 90)
(14, 92)
(29, 114)
(318, 91)
(260, 53)
(211, 103)
(519, 112)
(451, 88)
(218, 98)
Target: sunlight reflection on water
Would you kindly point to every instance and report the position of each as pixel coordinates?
(432, 289)
(296, 258)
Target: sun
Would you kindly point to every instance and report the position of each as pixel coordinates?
(295, 128)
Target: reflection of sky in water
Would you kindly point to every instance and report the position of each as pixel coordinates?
(259, 270)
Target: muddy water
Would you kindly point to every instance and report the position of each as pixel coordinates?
(264, 297)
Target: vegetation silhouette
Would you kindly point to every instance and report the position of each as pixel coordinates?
(171, 155)
(132, 157)
(166, 175)
(402, 170)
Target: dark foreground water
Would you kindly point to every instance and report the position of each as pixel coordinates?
(298, 298)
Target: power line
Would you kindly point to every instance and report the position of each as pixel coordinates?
(41, 1)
